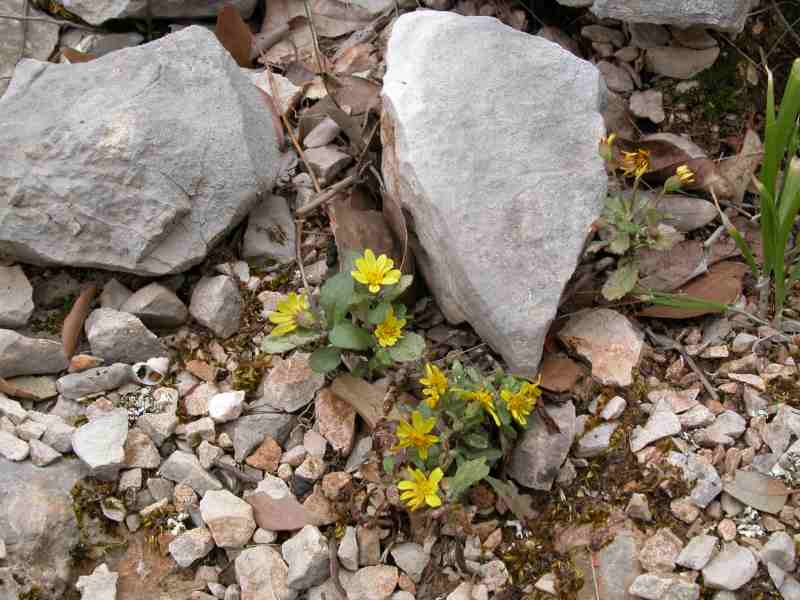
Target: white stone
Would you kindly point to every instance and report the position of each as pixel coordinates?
(217, 304)
(13, 448)
(16, 297)
(100, 585)
(100, 443)
(226, 406)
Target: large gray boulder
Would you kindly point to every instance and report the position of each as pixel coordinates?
(150, 156)
(99, 11)
(38, 524)
(496, 166)
(725, 15)
(20, 355)
(41, 37)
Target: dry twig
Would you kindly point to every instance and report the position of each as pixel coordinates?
(668, 343)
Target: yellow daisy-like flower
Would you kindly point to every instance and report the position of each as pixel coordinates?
(390, 329)
(486, 400)
(435, 383)
(375, 272)
(685, 174)
(520, 404)
(420, 489)
(416, 434)
(288, 310)
(635, 163)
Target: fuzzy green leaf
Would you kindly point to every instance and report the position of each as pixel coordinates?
(324, 360)
(620, 244)
(395, 291)
(468, 474)
(408, 348)
(336, 296)
(279, 345)
(622, 281)
(378, 313)
(348, 336)
(477, 440)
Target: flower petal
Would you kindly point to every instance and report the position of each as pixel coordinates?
(406, 485)
(433, 500)
(374, 288)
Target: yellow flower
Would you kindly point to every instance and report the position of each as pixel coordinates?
(435, 383)
(390, 329)
(685, 174)
(375, 272)
(416, 434)
(635, 163)
(486, 400)
(287, 314)
(521, 403)
(421, 489)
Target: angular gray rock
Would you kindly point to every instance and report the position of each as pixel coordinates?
(93, 381)
(42, 454)
(348, 549)
(190, 546)
(154, 177)
(12, 409)
(13, 448)
(183, 467)
(679, 63)
(114, 295)
(262, 575)
(696, 554)
(100, 443)
(156, 306)
(708, 483)
(116, 336)
(411, 558)
(780, 550)
(229, 518)
(595, 441)
(662, 423)
(730, 569)
(307, 555)
(725, 15)
(217, 304)
(539, 454)
(270, 231)
(16, 297)
(20, 355)
(249, 431)
(37, 522)
(100, 585)
(483, 219)
(100, 11)
(290, 384)
(41, 38)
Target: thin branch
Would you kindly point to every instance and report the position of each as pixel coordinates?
(667, 342)
(326, 195)
(786, 23)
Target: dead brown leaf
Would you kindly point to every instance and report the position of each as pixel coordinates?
(739, 169)
(357, 94)
(722, 283)
(366, 398)
(234, 34)
(356, 59)
(76, 56)
(73, 324)
(667, 270)
(560, 373)
(355, 228)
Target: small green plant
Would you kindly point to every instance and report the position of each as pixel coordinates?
(358, 313)
(780, 199)
(631, 221)
(462, 428)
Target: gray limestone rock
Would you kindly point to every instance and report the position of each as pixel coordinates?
(307, 555)
(183, 467)
(156, 306)
(483, 219)
(262, 575)
(93, 381)
(696, 554)
(127, 171)
(13, 448)
(20, 355)
(725, 15)
(190, 546)
(100, 585)
(217, 304)
(42, 454)
(270, 231)
(100, 443)
(229, 518)
(730, 569)
(539, 454)
(100, 11)
(16, 297)
(249, 431)
(40, 35)
(116, 336)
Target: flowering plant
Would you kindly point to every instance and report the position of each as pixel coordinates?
(463, 426)
(358, 313)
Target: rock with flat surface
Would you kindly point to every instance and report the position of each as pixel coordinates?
(229, 518)
(20, 355)
(290, 384)
(93, 381)
(217, 304)
(762, 492)
(100, 585)
(140, 451)
(780, 550)
(696, 554)
(248, 432)
(262, 575)
(40, 35)
(679, 63)
(725, 15)
(538, 455)
(100, 11)
(730, 569)
(151, 178)
(183, 467)
(662, 423)
(116, 336)
(372, 583)
(226, 406)
(13, 448)
(336, 420)
(16, 297)
(484, 220)
(100, 443)
(37, 522)
(595, 441)
(156, 306)
(411, 558)
(308, 557)
(12, 409)
(660, 551)
(270, 231)
(190, 546)
(608, 341)
(114, 295)
(42, 454)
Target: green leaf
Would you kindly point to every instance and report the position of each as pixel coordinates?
(622, 281)
(397, 289)
(336, 296)
(388, 464)
(620, 244)
(324, 360)
(476, 440)
(488, 454)
(408, 348)
(666, 237)
(520, 504)
(468, 474)
(279, 345)
(378, 313)
(348, 336)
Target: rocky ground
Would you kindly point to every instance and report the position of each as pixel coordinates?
(158, 200)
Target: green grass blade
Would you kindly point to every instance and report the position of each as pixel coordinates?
(790, 107)
(683, 301)
(772, 156)
(790, 201)
(769, 229)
